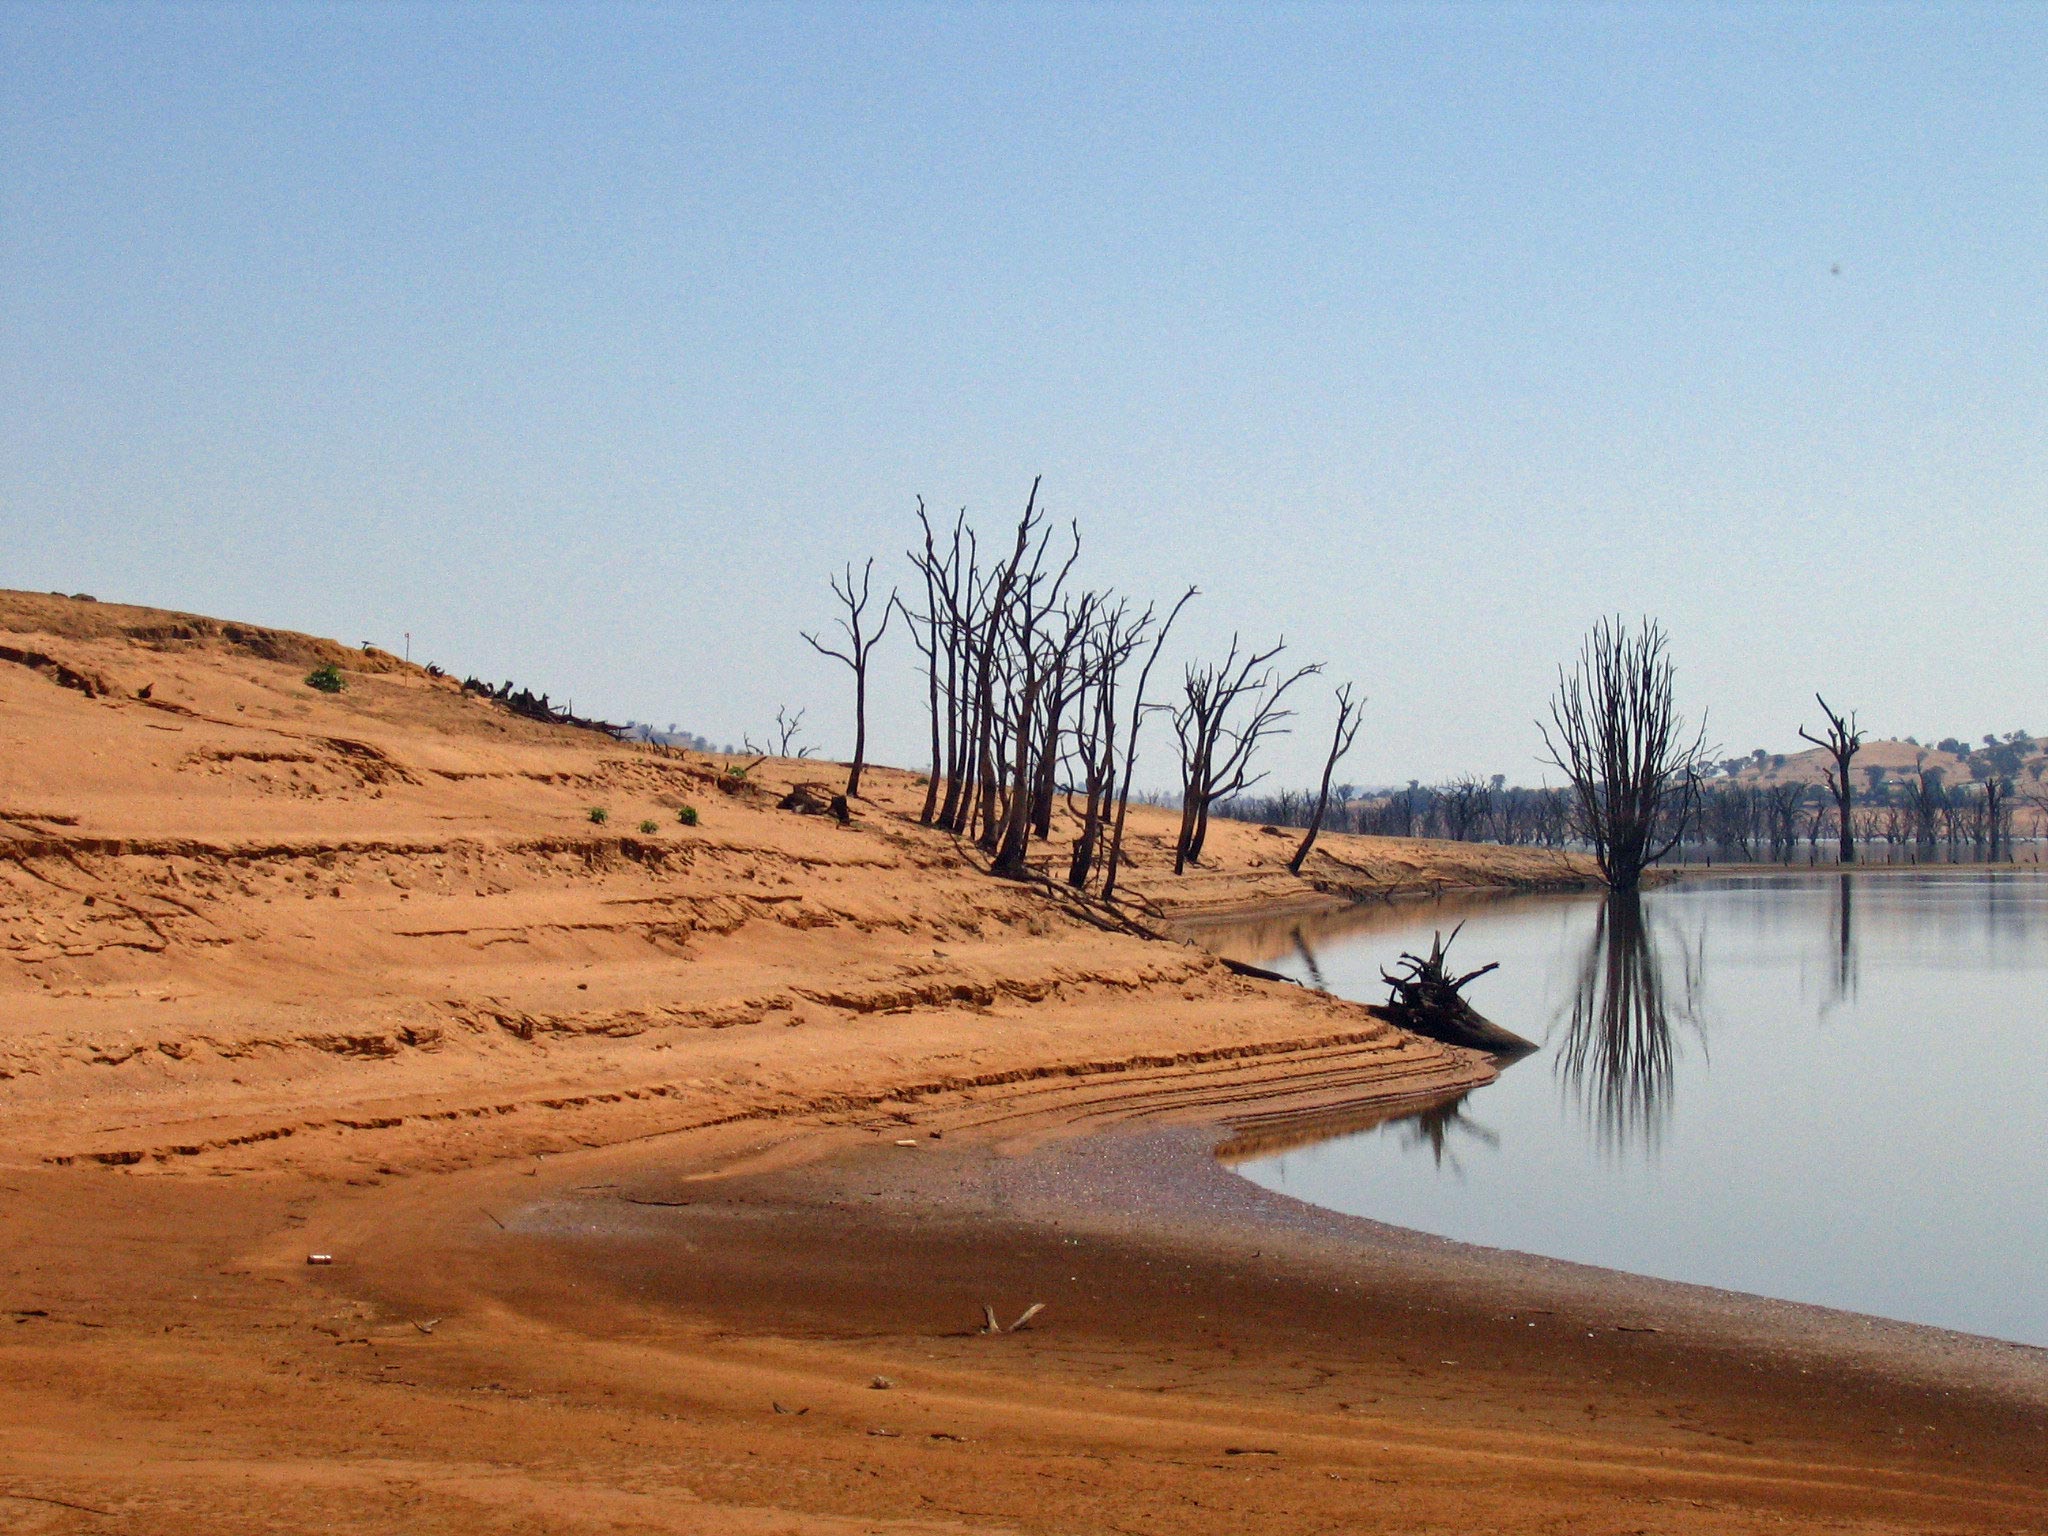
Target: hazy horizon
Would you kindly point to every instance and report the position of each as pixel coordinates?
(584, 344)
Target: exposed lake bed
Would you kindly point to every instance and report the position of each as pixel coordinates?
(1820, 1087)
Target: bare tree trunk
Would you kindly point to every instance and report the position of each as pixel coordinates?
(1123, 803)
(928, 565)
(1202, 722)
(1340, 743)
(859, 647)
(1843, 741)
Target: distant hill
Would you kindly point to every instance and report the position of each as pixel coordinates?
(2018, 757)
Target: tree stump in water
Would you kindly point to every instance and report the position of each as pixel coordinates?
(1425, 998)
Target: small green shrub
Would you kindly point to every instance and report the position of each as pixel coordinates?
(687, 815)
(599, 815)
(327, 679)
(649, 827)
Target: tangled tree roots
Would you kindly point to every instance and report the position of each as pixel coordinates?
(1423, 996)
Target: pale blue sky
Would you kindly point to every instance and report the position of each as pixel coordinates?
(583, 342)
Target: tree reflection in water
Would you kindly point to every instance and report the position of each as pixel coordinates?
(1843, 982)
(1433, 1127)
(1308, 960)
(1619, 1056)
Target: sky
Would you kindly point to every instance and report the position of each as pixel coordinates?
(583, 343)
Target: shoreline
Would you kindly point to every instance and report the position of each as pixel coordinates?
(449, 992)
(1176, 1294)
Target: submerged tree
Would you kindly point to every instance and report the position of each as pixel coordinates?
(1842, 742)
(1782, 805)
(1616, 734)
(1994, 817)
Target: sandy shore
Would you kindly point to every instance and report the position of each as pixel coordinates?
(601, 1129)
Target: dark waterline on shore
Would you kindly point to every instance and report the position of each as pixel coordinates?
(1822, 1087)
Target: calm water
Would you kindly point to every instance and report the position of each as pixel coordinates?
(1819, 1087)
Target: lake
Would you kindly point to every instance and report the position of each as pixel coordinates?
(1821, 1087)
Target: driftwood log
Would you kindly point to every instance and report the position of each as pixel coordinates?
(816, 800)
(525, 702)
(1426, 998)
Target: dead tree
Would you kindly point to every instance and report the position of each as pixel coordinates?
(1782, 803)
(994, 709)
(860, 646)
(931, 633)
(960, 589)
(1065, 679)
(787, 729)
(1024, 683)
(1464, 803)
(1093, 759)
(1994, 817)
(1348, 714)
(1138, 708)
(1616, 734)
(1924, 799)
(1842, 742)
(1215, 751)
(1090, 761)
(1036, 597)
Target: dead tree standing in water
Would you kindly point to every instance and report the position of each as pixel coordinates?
(1782, 803)
(1348, 714)
(860, 645)
(1619, 739)
(1994, 817)
(1842, 742)
(1924, 797)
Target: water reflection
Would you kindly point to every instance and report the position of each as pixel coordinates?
(1308, 961)
(1434, 1127)
(1857, 1145)
(1844, 988)
(1618, 1058)
(1622, 980)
